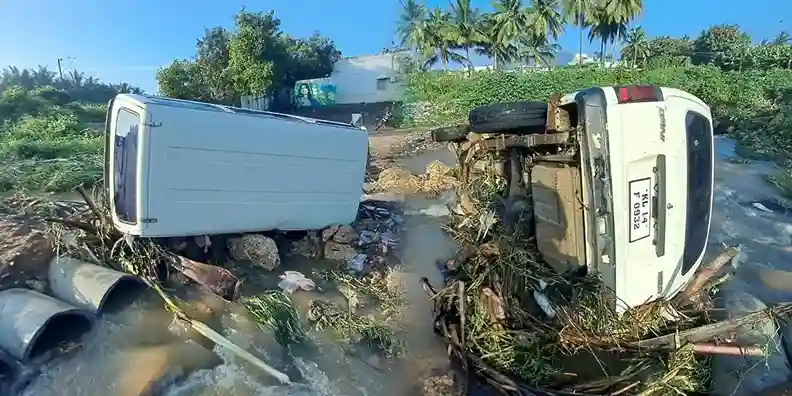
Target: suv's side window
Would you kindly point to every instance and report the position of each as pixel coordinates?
(125, 165)
(699, 177)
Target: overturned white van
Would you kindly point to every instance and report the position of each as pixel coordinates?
(181, 168)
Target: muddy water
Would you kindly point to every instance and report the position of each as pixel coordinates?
(750, 212)
(128, 351)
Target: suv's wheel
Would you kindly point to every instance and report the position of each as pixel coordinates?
(504, 117)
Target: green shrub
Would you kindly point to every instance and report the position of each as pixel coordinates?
(437, 98)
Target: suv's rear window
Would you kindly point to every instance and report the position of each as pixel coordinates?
(125, 165)
(699, 200)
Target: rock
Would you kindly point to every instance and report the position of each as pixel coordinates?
(746, 375)
(340, 234)
(25, 253)
(256, 248)
(439, 383)
(339, 252)
(310, 246)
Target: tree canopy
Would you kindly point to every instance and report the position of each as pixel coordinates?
(256, 57)
(524, 32)
(76, 85)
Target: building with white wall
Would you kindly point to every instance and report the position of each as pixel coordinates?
(368, 79)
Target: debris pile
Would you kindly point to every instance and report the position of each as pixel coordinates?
(418, 142)
(365, 255)
(435, 180)
(362, 247)
(525, 330)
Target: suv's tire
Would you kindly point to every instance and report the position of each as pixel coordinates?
(504, 117)
(450, 134)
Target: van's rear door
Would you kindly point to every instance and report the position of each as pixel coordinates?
(643, 157)
(123, 166)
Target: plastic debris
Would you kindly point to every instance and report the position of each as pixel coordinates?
(292, 281)
(761, 207)
(357, 263)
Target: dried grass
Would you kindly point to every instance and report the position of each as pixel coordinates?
(436, 179)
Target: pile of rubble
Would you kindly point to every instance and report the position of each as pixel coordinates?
(363, 245)
(417, 142)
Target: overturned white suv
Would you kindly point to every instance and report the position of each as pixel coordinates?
(614, 180)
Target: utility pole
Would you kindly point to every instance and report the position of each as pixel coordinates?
(60, 70)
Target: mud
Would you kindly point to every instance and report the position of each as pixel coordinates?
(25, 252)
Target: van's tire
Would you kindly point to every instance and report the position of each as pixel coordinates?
(450, 134)
(508, 117)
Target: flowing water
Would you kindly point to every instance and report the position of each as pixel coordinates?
(128, 350)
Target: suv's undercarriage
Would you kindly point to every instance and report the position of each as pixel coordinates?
(533, 147)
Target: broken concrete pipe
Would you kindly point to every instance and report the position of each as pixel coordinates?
(32, 323)
(91, 287)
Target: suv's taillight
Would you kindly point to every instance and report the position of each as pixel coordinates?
(638, 93)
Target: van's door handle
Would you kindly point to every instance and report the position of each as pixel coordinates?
(660, 205)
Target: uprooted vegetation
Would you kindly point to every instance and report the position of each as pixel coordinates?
(527, 330)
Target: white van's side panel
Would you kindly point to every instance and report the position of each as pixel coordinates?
(210, 170)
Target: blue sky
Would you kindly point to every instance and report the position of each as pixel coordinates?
(128, 40)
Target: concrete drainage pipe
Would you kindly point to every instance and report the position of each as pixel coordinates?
(32, 323)
(90, 286)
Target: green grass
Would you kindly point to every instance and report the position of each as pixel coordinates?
(51, 152)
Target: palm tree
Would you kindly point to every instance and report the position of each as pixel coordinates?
(437, 47)
(510, 19)
(496, 46)
(411, 24)
(578, 12)
(544, 19)
(782, 38)
(636, 45)
(605, 27)
(622, 12)
(465, 27)
(537, 50)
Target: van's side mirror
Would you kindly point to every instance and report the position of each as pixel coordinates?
(357, 119)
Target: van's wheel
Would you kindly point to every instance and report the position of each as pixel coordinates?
(505, 117)
(450, 134)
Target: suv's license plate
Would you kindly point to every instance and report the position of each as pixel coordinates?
(640, 208)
